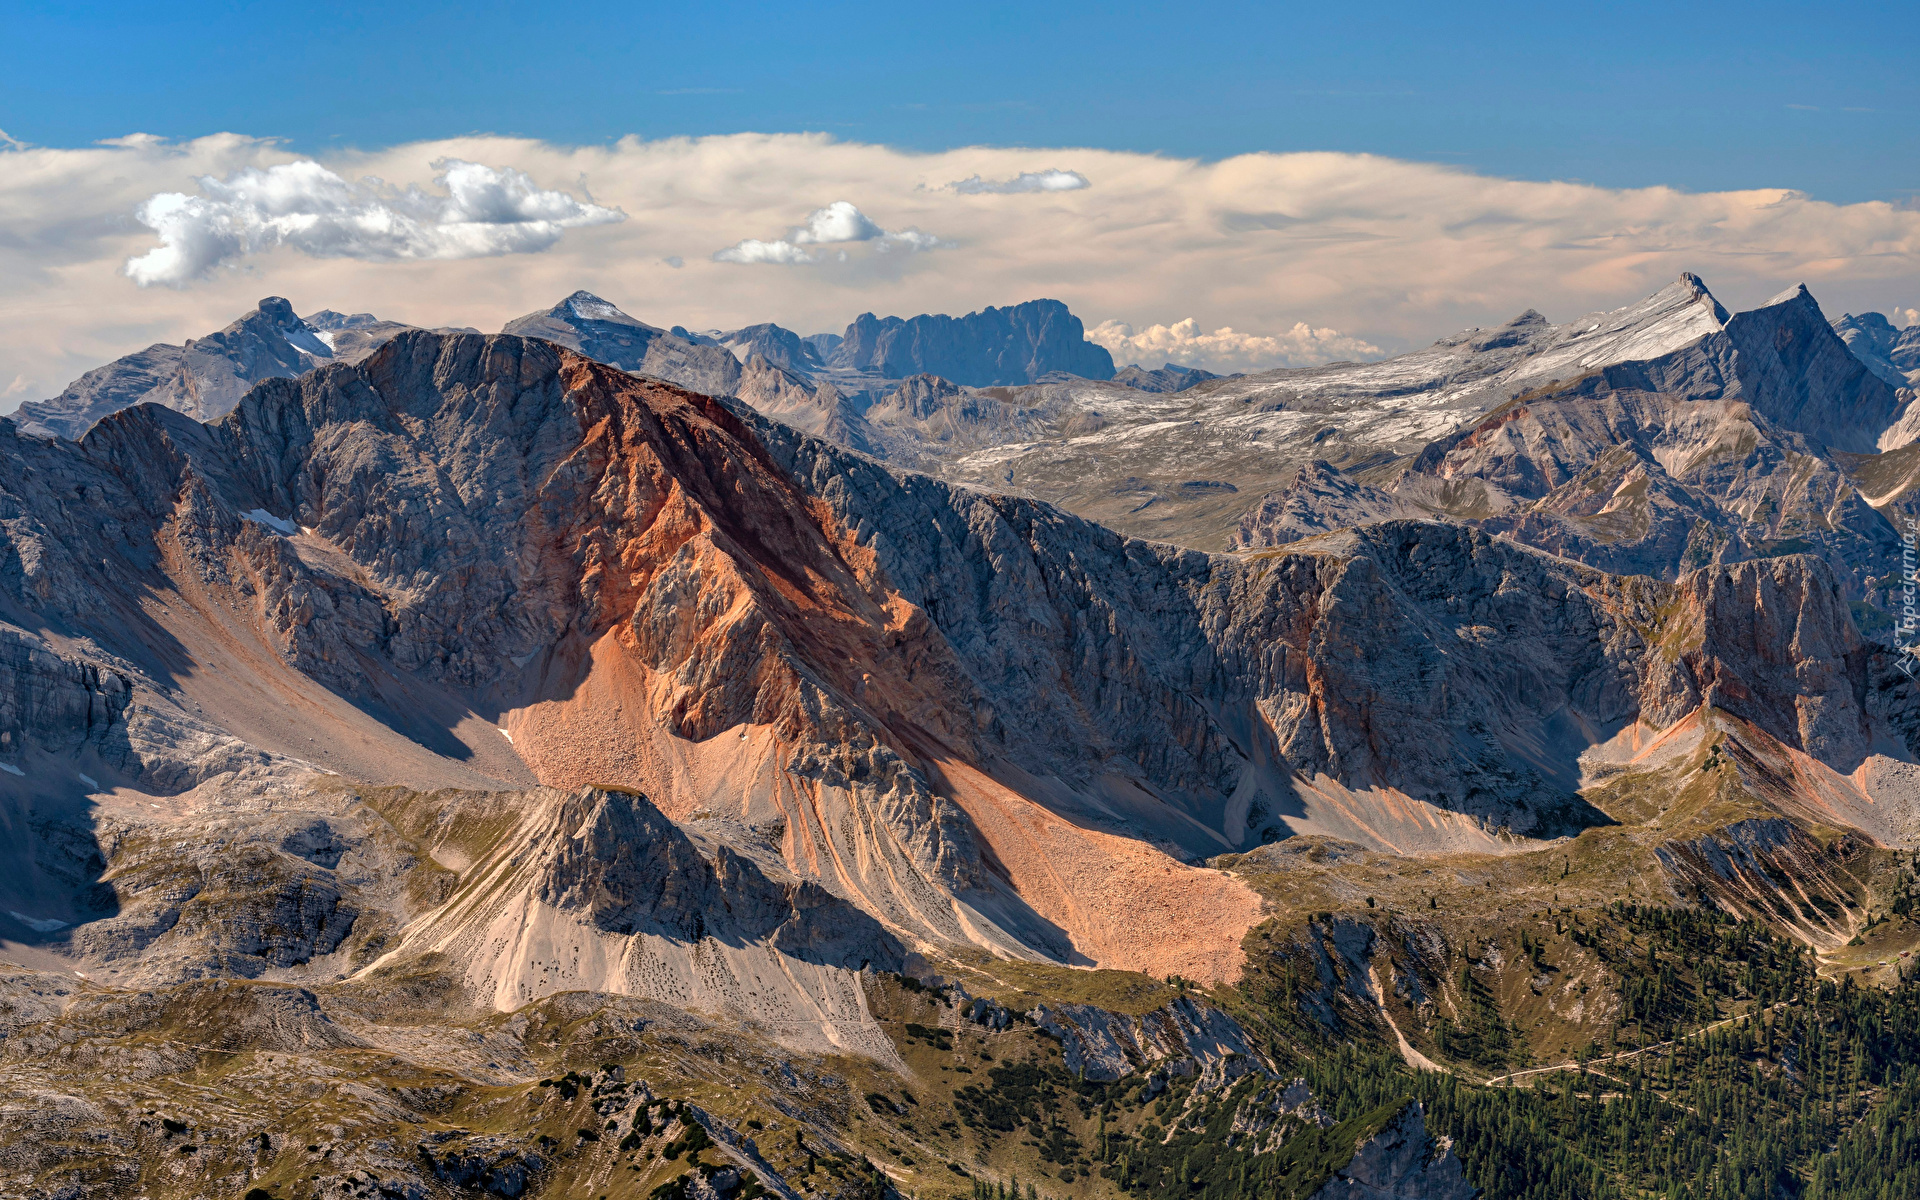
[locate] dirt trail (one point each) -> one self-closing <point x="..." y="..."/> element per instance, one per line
<point x="1623" y="1055"/>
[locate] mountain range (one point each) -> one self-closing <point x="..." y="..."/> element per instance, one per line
<point x="605" y="759"/>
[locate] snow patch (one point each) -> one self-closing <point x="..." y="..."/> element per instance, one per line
<point x="261" y="516"/>
<point x="307" y="341"/>
<point x="595" y="309"/>
<point x="10" y="769"/>
<point x="46" y="925"/>
<point x="89" y="780"/>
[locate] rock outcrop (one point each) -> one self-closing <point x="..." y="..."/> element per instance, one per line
<point x="1169" y="378"/>
<point x="1189" y="1034"/>
<point x="1016" y="344"/>
<point x="1401" y="1162"/>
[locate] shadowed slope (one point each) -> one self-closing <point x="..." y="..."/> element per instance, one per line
<point x="977" y="717"/>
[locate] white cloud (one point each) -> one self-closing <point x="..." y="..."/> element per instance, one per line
<point x="1226" y="350"/>
<point x="753" y="250"/>
<point x="1388" y="252"/>
<point x="836" y="223"/>
<point x="1053" y="180"/>
<point x="485" y="212"/>
<point x="18" y="388"/>
<point x="912" y="239"/>
<point x="1904" y="317"/>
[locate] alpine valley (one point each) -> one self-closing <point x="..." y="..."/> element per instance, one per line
<point x="600" y="759"/>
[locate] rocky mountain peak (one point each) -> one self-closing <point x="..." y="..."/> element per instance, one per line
<point x="995" y="346"/>
<point x="782" y="347"/>
<point x="921" y="396"/>
<point x="597" y="328"/>
<point x="589" y="307"/>
<point x="279" y="311"/>
<point x="204" y="378"/>
<point x="1795" y="370"/>
<point x="1168" y="378"/>
<point x="1516" y="332"/>
<point x="1888" y="351"/>
<point x="327" y="320"/>
<point x="1696" y="287"/>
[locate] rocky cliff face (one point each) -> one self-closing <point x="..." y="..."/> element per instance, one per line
<point x="1016" y="344"/>
<point x="976" y="717"/>
<point x="1401" y="1162"/>
<point x="1732" y="448"/>
<point x="1789" y="364"/>
<point x="812" y="407"/>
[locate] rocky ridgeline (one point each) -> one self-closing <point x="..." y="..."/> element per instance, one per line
<point x="463" y="516"/>
<point x="686" y="710"/>
<point x="1743" y="444"/>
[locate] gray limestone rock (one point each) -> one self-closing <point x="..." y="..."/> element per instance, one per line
<point x="781" y="347"/>
<point x="613" y="855"/>
<point x="1401" y="1162"/>
<point x="1732" y="448"/>
<point x="1169" y="378"/>
<point x="1891" y="353"/>
<point x="597" y="329"/>
<point x="204" y="378"/>
<point x="1012" y="345"/>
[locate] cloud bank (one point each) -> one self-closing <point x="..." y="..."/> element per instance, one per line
<point x="1026" y="181"/>
<point x="1226" y="350"/>
<point x="1390" y="253"/>
<point x="485" y="212"/>
<point x="837" y="222"/>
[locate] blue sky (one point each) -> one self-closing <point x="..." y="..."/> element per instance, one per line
<point x="1819" y="98"/>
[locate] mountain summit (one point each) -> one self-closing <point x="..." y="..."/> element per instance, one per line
<point x="204" y="378"/>
<point x="1012" y="345"/>
<point x="598" y="329"/>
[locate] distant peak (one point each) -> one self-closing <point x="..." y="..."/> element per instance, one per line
<point x="1872" y="320"/>
<point x="1697" y="287"/>
<point x="278" y="310"/>
<point x="589" y="307"/>
<point x="1797" y="292"/>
